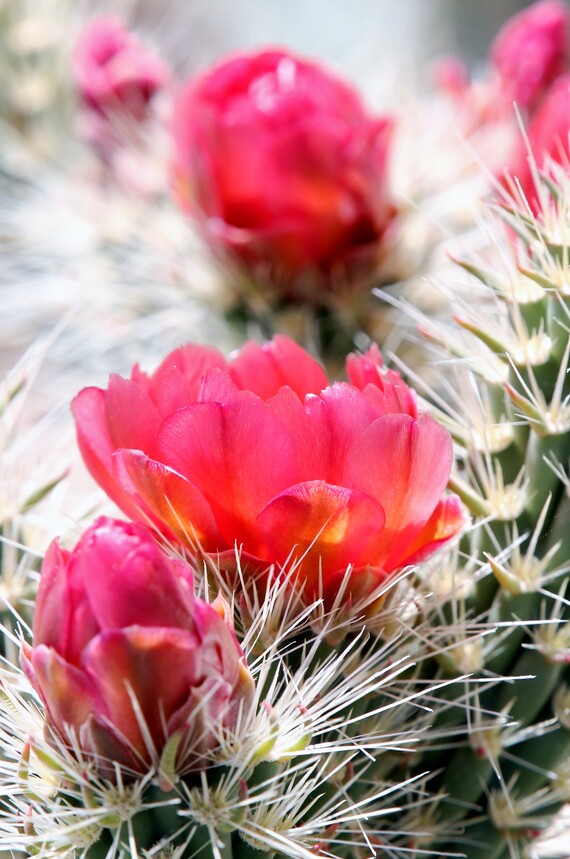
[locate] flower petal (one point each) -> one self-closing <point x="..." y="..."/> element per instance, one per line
<point x="178" y="380"/>
<point x="63" y="618"/>
<point x="67" y="692"/>
<point x="238" y="454"/>
<point x="264" y="369"/>
<point x="311" y="438"/>
<point x="132" y="418"/>
<point x="405" y="465"/>
<point x="531" y="51"/>
<point x="385" y="388"/>
<point x="339" y="414"/>
<point x="327" y="527"/>
<point x="355" y="590"/>
<point x="166" y="499"/>
<point x="128" y="579"/>
<point x="364" y="369"/>
<point x="51" y="615"/>
<point x="446" y="521"/>
<point x="217" y="386"/>
<point x="95" y="444"/>
<point x="143" y="674"/>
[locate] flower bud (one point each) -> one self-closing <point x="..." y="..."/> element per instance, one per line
<point x="531" y="51"/>
<point x="126" y="658"/>
<point x="114" y="71"/>
<point x="283" y="170"/>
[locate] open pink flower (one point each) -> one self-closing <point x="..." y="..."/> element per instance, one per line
<point x="260" y="453"/>
<point x="126" y="658"/>
<point x="114" y="71"/>
<point x="531" y="51"/>
<point x="283" y="168"/>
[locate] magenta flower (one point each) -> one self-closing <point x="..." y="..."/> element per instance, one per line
<point x="114" y="71"/>
<point x="283" y="168"/>
<point x="531" y="51"/>
<point x="126" y="658"/>
<point x="258" y="452"/>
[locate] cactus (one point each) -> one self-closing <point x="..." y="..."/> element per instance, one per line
<point x="431" y="719"/>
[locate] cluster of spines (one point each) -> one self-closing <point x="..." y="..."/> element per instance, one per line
<point x="508" y="408"/>
<point x="319" y="766"/>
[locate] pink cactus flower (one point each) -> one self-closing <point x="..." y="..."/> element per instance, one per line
<point x="283" y="169"/>
<point x="260" y="453"/>
<point x="126" y="658"/>
<point x="531" y="51"/>
<point x="113" y="70"/>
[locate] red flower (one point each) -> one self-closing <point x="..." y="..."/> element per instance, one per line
<point x="283" y="167"/>
<point x="126" y="658"/>
<point x="114" y="71"/>
<point x="531" y="51"/>
<point x="331" y="476"/>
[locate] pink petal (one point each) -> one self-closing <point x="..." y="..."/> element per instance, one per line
<point x="188" y="363"/>
<point x="201" y="719"/>
<point x="238" y="454"/>
<point x="328" y="527"/>
<point x="95" y="444"/>
<point x="63" y="618"/>
<point x="384" y="388"/>
<point x="152" y="670"/>
<point x="531" y="51"/>
<point x="405" y="465"/>
<point x="311" y="438"/>
<point x="446" y="521"/>
<point x="264" y="369"/>
<point x="392" y="395"/>
<point x="547" y="139"/>
<point x="248" y="568"/>
<point x="217" y="386"/>
<point x="171" y="392"/>
<point x="132" y="418"/>
<point x="166" y="499"/>
<point x="339" y="414"/>
<point x="100" y="740"/>
<point x="128" y="579"/>
<point x="358" y="586"/>
<point x="364" y="369"/>
<point x="219" y="647"/>
<point x="67" y="692"/>
<point x="51" y="615"/>
<point x="105" y="419"/>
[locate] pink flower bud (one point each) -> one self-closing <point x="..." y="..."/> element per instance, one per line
<point x="114" y="71"/>
<point x="531" y="51"/>
<point x="125" y="657"/>
<point x="283" y="169"/>
<point x="333" y="476"/>
<point x="451" y="75"/>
